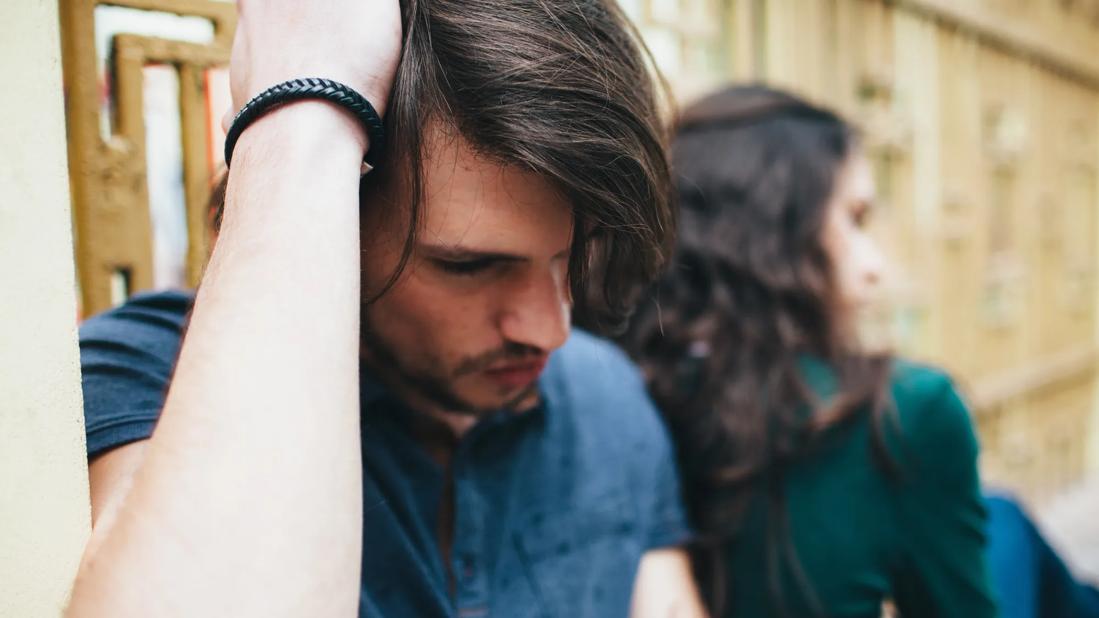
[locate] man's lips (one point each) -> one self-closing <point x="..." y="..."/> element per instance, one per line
<point x="516" y="374"/>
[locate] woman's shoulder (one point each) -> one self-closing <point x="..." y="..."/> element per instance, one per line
<point x="917" y="386"/>
<point x="935" y="423"/>
<point x="929" y="418"/>
<point x="914" y="388"/>
<point x="925" y="396"/>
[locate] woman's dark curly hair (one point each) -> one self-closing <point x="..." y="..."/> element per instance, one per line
<point x="749" y="292"/>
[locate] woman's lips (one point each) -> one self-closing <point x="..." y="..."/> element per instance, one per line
<point x="516" y="375"/>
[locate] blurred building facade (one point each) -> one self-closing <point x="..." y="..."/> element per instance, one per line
<point x="981" y="117"/>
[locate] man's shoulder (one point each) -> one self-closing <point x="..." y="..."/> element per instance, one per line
<point x="149" y="318"/>
<point x="145" y="330"/>
<point x="598" y="408"/>
<point x="127" y="356"/>
<point x="592" y="381"/>
<point x="592" y="367"/>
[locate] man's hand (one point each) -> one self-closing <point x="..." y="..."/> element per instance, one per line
<point x="356" y="42"/>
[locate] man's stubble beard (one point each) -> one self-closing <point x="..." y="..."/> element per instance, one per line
<point x="385" y="362"/>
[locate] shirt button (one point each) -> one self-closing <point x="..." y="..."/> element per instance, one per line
<point x="468" y="567"/>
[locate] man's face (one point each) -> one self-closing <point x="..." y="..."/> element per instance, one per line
<point x="485" y="297"/>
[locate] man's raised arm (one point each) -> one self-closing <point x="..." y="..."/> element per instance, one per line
<point x="247" y="500"/>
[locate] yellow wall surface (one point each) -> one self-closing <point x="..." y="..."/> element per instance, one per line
<point x="44" y="511"/>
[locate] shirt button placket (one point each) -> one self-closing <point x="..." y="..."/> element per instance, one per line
<point x="470" y="577"/>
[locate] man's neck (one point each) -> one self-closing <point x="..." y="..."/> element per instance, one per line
<point x="430" y="412"/>
<point x="456" y="423"/>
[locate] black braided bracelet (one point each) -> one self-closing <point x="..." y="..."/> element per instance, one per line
<point x="310" y="88"/>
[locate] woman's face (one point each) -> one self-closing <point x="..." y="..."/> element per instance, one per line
<point x="857" y="261"/>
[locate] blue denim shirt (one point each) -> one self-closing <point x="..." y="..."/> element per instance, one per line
<point x="553" y="508"/>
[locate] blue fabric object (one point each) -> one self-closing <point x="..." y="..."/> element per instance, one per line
<point x="553" y="507"/>
<point x="1030" y="580"/>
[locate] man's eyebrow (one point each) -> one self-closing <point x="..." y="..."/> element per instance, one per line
<point x="458" y="253"/>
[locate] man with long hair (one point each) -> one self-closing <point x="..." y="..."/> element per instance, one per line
<point x="377" y="405"/>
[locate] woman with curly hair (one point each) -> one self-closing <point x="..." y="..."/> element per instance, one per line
<point x="823" y="479"/>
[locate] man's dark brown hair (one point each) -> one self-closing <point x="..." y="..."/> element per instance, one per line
<point x="558" y="88"/>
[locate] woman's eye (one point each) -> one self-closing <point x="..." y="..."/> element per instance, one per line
<point x="468" y="267"/>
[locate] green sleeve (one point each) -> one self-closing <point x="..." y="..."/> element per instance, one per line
<point x="941" y="566"/>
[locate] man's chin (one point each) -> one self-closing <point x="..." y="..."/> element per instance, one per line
<point x="517" y="401"/>
<point x="466" y="396"/>
<point x="525" y="400"/>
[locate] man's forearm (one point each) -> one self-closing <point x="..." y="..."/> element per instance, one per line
<point x="248" y="501"/>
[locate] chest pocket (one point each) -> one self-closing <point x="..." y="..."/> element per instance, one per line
<point x="581" y="560"/>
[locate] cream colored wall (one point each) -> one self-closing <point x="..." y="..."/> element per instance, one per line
<point x="1093" y="441"/>
<point x="44" y="512"/>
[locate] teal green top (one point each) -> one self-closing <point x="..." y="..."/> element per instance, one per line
<point x="861" y="536"/>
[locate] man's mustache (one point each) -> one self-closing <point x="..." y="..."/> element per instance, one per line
<point x="509" y="351"/>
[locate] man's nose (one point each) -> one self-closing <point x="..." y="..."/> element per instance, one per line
<point x="537" y="312"/>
